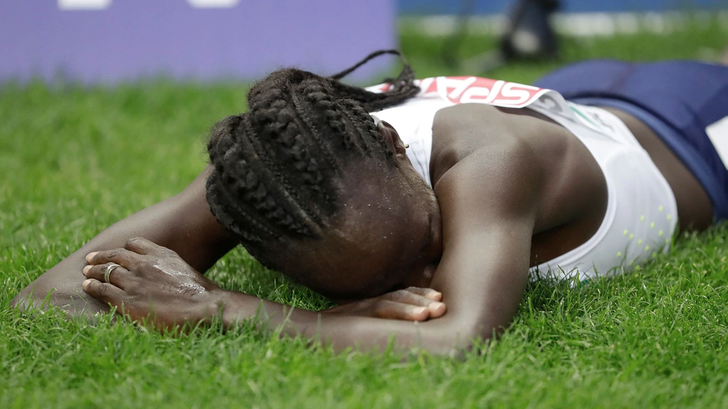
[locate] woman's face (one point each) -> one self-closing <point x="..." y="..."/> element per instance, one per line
<point x="386" y="236"/>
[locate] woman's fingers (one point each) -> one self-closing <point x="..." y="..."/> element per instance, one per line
<point x="123" y="257"/>
<point x="116" y="275"/>
<point x="107" y="293"/>
<point x="396" y="310"/>
<point x="414" y="298"/>
<point x="131" y="255"/>
<point x="140" y="245"/>
<point x="411" y="304"/>
<point x="426" y="292"/>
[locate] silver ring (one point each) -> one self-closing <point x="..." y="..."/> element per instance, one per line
<point x="109" y="269"/>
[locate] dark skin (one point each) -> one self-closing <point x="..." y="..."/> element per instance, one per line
<point x="498" y="207"/>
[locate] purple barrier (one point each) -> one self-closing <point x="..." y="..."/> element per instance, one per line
<point x="119" y="40"/>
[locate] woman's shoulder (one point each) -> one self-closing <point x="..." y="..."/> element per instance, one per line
<point x="515" y="155"/>
<point x="463" y="130"/>
<point x="479" y="145"/>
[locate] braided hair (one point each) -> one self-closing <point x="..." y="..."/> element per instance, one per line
<point x="274" y="167"/>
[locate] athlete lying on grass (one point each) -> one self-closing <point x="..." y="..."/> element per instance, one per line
<point x="468" y="186"/>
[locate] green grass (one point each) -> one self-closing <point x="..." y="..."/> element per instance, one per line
<point x="76" y="159"/>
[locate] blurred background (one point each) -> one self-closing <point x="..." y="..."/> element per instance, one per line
<point x="111" y="41"/>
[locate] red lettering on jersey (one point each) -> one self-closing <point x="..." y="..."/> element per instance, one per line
<point x="462" y="90"/>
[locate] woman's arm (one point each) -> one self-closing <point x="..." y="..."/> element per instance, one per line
<point x="487" y="234"/>
<point x="151" y="284"/>
<point x="488" y="227"/>
<point x="182" y="223"/>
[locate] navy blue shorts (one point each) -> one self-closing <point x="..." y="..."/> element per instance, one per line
<point x="677" y="99"/>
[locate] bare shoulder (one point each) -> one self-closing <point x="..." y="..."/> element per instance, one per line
<point x="493" y="182"/>
<point x="491" y="164"/>
<point x="483" y="152"/>
<point x="463" y="130"/>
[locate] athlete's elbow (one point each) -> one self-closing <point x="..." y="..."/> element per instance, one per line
<point x="462" y="337"/>
<point x="23" y="300"/>
<point x="19" y="302"/>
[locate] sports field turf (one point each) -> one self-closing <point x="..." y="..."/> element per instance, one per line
<point x="75" y="159"/>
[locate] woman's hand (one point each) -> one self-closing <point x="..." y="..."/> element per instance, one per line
<point x="409" y="304"/>
<point x="152" y="283"/>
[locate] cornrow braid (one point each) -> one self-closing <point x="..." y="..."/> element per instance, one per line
<point x="400" y="89"/>
<point x="274" y="168"/>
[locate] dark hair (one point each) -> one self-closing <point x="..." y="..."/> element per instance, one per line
<point x="274" y="166"/>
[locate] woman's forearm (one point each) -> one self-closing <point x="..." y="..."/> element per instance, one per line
<point x="182" y="223"/>
<point x="442" y="336"/>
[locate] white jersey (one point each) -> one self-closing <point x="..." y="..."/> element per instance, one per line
<point x="641" y="213"/>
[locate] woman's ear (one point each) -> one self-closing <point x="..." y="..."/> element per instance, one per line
<point x="391" y="138"/>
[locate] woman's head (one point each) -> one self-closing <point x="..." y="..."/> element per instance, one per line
<point x="285" y="172"/>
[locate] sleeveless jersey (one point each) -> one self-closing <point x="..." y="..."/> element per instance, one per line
<point x="641" y="213"/>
